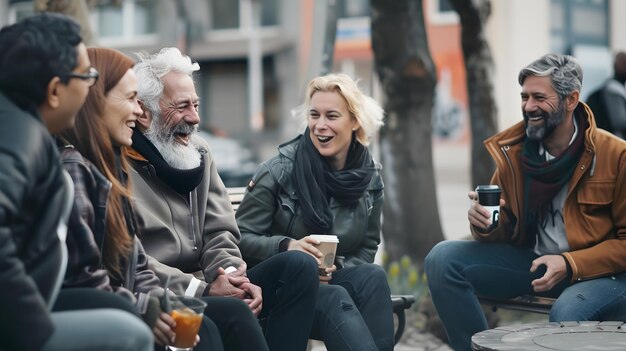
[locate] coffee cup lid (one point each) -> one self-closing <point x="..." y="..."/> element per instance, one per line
<point x="325" y="238"/>
<point x="491" y="188"/>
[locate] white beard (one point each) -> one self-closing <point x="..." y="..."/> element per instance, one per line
<point x="177" y="155"/>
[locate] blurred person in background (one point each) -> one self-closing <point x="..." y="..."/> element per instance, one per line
<point x="187" y="223"/>
<point x="325" y="181"/>
<point x="608" y="103"/>
<point x="562" y="226"/>
<point x="45" y="75"/>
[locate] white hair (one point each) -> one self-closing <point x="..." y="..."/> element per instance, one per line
<point x="150" y="70"/>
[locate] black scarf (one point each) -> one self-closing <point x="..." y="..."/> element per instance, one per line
<point x="544" y="179"/>
<point x="316" y="182"/>
<point x="181" y="180"/>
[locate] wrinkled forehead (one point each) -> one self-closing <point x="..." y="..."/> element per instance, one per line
<point x="179" y="87"/>
<point x="538" y="85"/>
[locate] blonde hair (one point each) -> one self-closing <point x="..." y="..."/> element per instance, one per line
<point x="363" y="108"/>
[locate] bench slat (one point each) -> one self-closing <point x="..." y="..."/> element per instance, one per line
<point x="526" y="303"/>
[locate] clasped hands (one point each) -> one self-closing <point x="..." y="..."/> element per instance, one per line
<point x="556" y="267"/>
<point x="236" y="284"/>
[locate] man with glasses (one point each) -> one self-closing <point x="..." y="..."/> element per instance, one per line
<point x="91" y="77"/>
<point x="45" y="75"/>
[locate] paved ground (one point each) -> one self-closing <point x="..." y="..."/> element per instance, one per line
<point x="426" y="343"/>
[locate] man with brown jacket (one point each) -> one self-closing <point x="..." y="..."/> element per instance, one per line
<point x="562" y="227"/>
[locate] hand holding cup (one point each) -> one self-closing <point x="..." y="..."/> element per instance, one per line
<point x="327" y="245"/>
<point x="485" y="210"/>
<point x="326" y="274"/>
<point x="187" y="312"/>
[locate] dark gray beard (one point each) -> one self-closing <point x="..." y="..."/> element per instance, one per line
<point x="550" y="122"/>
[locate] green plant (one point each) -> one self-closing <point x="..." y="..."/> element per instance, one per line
<point x="406" y="278"/>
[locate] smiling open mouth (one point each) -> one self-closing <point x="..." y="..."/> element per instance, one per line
<point x="182" y="138"/>
<point x="324" y="139"/>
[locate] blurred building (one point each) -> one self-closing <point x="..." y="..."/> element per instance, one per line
<point x="274" y="45"/>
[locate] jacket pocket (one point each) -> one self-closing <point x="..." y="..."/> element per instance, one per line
<point x="596" y="193"/>
<point x="594" y="212"/>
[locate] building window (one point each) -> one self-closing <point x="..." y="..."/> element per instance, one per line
<point x="225" y="14"/>
<point x="353" y="8"/>
<point x="229" y="14"/>
<point x="269" y="13"/>
<point x="579" y="22"/>
<point x="444" y="6"/>
<point x="144" y="17"/>
<point x="130" y="21"/>
<point x="19" y="10"/>
<point x="441" y="12"/>
<point x="110" y="21"/>
<point x="581" y="28"/>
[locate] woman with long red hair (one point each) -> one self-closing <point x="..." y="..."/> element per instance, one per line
<point x="104" y="251"/>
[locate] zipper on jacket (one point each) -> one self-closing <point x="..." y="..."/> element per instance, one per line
<point x="505" y="150"/>
<point x="191" y="226"/>
<point x="292" y="219"/>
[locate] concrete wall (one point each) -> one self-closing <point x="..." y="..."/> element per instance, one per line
<point x="4" y="12"/>
<point x="617" y="9"/>
<point x="518" y="32"/>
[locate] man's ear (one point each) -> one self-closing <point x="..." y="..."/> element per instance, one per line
<point x="572" y="100"/>
<point x="145" y="120"/>
<point x="52" y="97"/>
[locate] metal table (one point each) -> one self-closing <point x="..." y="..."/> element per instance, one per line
<point x="605" y="336"/>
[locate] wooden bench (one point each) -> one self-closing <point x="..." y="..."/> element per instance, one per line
<point x="524" y="303"/>
<point x="399" y="303"/>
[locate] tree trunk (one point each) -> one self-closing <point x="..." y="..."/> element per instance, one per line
<point x="479" y="68"/>
<point x="407" y="74"/>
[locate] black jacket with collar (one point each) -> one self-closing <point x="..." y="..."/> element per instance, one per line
<point x="32" y="191"/>
<point x="270" y="212"/>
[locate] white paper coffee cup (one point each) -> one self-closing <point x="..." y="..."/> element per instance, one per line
<point x="328" y="247"/>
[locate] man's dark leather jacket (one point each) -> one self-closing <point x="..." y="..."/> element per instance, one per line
<point x="32" y="191"/>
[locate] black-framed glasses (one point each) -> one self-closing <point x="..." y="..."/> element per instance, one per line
<point x="90" y="77"/>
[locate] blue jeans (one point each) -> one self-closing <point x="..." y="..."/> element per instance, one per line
<point x="100" y="330"/>
<point x="459" y="270"/>
<point x="353" y="311"/>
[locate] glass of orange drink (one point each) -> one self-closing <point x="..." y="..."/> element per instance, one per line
<point x="187" y="311"/>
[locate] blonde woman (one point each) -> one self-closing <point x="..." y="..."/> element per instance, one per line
<point x="325" y="182"/>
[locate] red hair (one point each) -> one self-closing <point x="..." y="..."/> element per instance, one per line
<point x="90" y="137"/>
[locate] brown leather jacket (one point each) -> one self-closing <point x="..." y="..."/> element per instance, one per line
<point x="595" y="208"/>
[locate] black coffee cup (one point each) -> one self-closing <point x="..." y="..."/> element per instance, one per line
<point x="489" y="197"/>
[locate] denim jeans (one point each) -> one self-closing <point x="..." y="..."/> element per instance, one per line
<point x="289" y="282"/>
<point x="353" y="311"/>
<point x="458" y="270"/>
<point x="75" y="299"/>
<point x="104" y="329"/>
